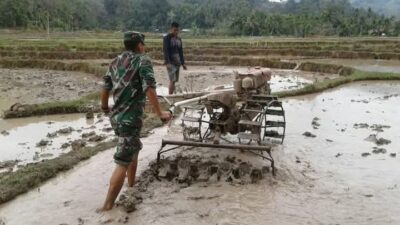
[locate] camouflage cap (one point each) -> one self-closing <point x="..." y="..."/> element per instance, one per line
<point x="134" y="36"/>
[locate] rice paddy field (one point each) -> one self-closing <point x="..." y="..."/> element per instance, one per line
<point x="53" y="134"/>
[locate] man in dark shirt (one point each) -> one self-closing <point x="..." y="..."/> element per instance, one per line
<point x="173" y="55"/>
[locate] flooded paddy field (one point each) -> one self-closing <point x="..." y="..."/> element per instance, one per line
<point x="208" y="78"/>
<point x="340" y="176"/>
<point x="33" y="139"/>
<point x="339" y="163"/>
<point x="371" y="65"/>
<point x="28" y="140"/>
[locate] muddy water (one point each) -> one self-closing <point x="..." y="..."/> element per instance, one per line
<point x="207" y="78"/>
<point x="390" y="66"/>
<point x="284" y="80"/>
<point x="24" y="134"/>
<point x="31" y="86"/>
<point x="75" y="194"/>
<point x="290" y="79"/>
<point x="322" y="180"/>
<point x="356" y="190"/>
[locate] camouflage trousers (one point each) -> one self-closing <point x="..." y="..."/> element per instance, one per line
<point x="129" y="143"/>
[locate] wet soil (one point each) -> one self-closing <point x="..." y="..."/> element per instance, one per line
<point x="32" y="86"/>
<point x="321" y="180"/>
<point x="208" y="78"/>
<point x="371" y="65"/>
<point x="181" y="171"/>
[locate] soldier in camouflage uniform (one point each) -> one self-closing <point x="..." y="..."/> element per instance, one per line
<point x="130" y="78"/>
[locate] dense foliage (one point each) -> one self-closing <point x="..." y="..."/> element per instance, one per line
<point x="223" y="17"/>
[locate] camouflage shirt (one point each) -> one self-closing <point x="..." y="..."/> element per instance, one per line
<point x="128" y="77"/>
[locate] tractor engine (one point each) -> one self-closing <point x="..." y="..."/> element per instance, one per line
<point x="253" y="81"/>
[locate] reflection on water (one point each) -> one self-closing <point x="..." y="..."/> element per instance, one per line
<point x="207" y="78"/>
<point x="284" y="80"/>
<point x="25" y="133"/>
<point x="290" y="79"/>
<point x="322" y="180"/>
<point x="330" y="173"/>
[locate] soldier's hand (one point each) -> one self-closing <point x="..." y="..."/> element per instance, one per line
<point x="184" y="67"/>
<point x="166" y="116"/>
<point x="169" y="66"/>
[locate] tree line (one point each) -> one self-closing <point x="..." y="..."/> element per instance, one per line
<point x="388" y="7"/>
<point x="219" y="17"/>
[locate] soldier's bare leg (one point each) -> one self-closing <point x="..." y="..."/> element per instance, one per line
<point x="132" y="170"/>
<point x="116" y="183"/>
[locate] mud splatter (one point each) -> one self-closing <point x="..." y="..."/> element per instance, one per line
<point x="315" y="123"/>
<point x="178" y="172"/>
<point x="309" y="134"/>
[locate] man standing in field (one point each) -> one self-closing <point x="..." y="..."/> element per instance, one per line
<point x="173" y="55"/>
<point x="130" y="78"/>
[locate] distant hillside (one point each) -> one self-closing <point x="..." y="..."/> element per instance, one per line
<point x="387" y="7"/>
